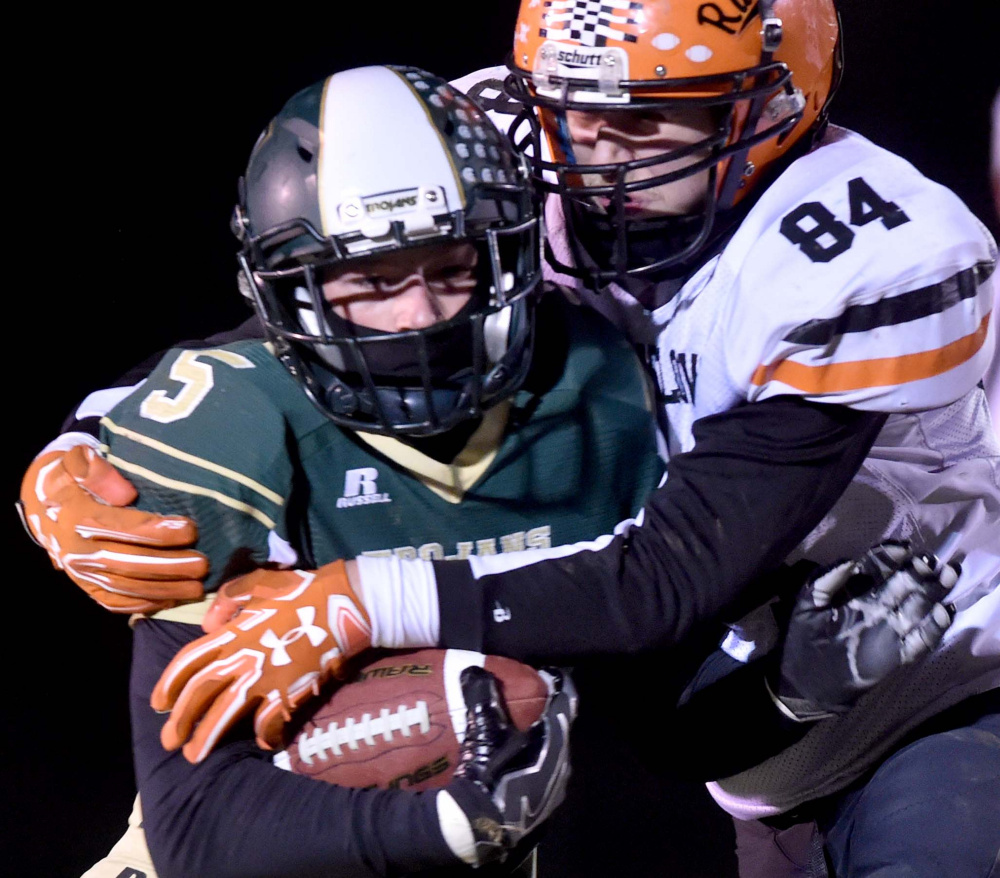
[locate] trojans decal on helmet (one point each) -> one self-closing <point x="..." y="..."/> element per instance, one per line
<point x="368" y="163"/>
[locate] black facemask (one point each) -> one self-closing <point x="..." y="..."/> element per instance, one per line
<point x="648" y="241"/>
<point x="395" y="358"/>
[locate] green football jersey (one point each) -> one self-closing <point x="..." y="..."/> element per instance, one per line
<point x="227" y="437"/>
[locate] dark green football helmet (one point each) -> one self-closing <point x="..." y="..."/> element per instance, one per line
<point x="368" y="162"/>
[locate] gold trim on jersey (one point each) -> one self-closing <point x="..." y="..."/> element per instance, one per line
<point x="130" y="855"/>
<point x="876" y="372"/>
<point x="449" y="481"/>
<point x="200" y="462"/>
<point x="187" y="488"/>
<point x="191" y="614"/>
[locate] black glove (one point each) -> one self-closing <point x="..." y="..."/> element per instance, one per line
<point x="507" y="782"/>
<point x="855" y="622"/>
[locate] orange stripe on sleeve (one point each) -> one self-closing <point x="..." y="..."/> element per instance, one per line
<point x="878" y="372"/>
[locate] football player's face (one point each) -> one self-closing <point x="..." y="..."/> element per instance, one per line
<point x="616" y="136"/>
<point x="409" y="289"/>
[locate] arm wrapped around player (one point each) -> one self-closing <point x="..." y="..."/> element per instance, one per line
<point x="75" y="505"/>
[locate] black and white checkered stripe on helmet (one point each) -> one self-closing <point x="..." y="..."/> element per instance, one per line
<point x="591" y="22"/>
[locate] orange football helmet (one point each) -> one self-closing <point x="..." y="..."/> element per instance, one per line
<point x="769" y="69"/>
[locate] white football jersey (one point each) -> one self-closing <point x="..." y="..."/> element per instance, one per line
<point x="872" y="289"/>
<point x="857" y="281"/>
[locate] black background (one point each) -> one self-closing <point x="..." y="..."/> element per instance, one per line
<point x="128" y="137"/>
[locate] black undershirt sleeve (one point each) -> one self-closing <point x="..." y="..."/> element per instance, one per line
<point x="236" y="815"/>
<point x="758" y="479"/>
<point x="726" y="722"/>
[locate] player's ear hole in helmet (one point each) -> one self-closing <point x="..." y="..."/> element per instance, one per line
<point x="761" y="74"/>
<point x="392" y="166"/>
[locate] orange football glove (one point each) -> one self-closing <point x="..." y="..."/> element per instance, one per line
<point x="295" y="632"/>
<point x="75" y="506"/>
<point x="230" y="599"/>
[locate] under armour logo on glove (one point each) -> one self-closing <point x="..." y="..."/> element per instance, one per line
<point x="278" y="645"/>
<point x="292" y="631"/>
<point x="856" y="622"/>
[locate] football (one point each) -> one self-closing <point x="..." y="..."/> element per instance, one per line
<point x="400" y="721"/>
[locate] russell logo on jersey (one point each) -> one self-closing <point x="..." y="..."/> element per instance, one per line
<point x="360" y="488"/>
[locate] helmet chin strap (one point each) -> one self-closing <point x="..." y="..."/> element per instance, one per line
<point x="648" y="242"/>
